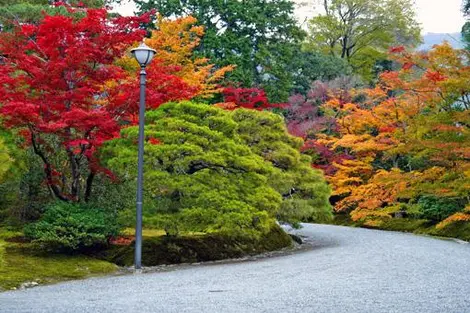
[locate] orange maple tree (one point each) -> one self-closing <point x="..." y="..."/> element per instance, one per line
<point x="409" y="135"/>
<point x="176" y="42"/>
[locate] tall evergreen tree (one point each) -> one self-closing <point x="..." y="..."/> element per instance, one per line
<point x="362" y="31"/>
<point x="31" y="11"/>
<point x="466" y="26"/>
<point x="260" y="37"/>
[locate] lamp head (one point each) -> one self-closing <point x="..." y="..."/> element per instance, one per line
<point x="143" y="54"/>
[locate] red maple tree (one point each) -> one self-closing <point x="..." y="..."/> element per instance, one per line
<point x="248" y="98"/>
<point x="61" y="89"/>
<point x="305" y="118"/>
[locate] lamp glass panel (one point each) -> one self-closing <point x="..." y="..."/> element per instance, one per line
<point x="151" y="55"/>
<point x="142" y="56"/>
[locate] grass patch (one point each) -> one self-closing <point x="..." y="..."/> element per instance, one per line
<point x="2" y="253"/>
<point x="19" y="264"/>
<point x="148" y="232"/>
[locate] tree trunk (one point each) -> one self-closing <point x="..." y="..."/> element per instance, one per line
<point x="344" y="49"/>
<point x="75" y="169"/>
<point x="89" y="184"/>
<point x="47" y="170"/>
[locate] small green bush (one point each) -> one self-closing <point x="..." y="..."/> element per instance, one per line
<point x="438" y="209"/>
<point x="70" y="227"/>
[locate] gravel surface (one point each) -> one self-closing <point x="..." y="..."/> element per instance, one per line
<point x="348" y="270"/>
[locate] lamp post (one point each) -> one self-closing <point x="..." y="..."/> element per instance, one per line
<point x="143" y="54"/>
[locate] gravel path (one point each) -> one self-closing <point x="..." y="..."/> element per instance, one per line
<point x="350" y="270"/>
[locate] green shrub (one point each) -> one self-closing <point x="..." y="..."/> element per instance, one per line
<point x="230" y="172"/>
<point x="69" y="227"/>
<point x="438" y="209"/>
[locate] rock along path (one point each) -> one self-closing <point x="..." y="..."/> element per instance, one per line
<point x="348" y="270"/>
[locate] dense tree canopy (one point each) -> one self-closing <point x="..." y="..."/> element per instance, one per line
<point x="466" y="26"/>
<point x="311" y="66"/>
<point x="408" y="138"/>
<point x="79" y="95"/>
<point x="260" y="37"/>
<point x="303" y="189"/>
<point x="82" y="86"/>
<point x="175" y="41"/>
<point x="51" y="81"/>
<point x="209" y="169"/>
<point x="32" y="11"/>
<point x="361" y="31"/>
<point x="249" y="119"/>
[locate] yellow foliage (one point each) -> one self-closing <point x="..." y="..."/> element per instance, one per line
<point x="371" y="217"/>
<point x="175" y="42"/>
<point x="457" y="217"/>
<point x="350" y="176"/>
<point x="379" y="191"/>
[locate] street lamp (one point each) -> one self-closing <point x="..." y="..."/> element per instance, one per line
<point x="143" y="54"/>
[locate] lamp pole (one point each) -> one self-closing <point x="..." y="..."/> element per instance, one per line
<point x="143" y="54"/>
<point x="140" y="173"/>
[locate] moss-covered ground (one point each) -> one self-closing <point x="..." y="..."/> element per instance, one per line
<point x="20" y="264"/>
<point x="190" y="248"/>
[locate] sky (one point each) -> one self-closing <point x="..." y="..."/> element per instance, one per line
<point x="440" y="16"/>
<point x="435" y="16"/>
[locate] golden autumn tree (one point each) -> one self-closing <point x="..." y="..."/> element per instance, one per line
<point x="176" y="42"/>
<point x="366" y="133"/>
<point x="409" y="137"/>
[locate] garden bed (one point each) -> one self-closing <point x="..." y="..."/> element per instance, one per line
<point x="195" y="248"/>
<point x="457" y="230"/>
